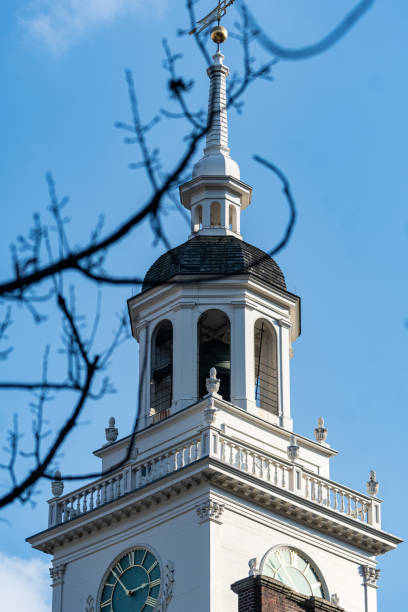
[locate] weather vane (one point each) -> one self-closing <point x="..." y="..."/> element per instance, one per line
<point x="219" y="33"/>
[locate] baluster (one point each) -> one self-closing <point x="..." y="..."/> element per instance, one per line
<point x="355" y="506"/>
<point x="98" y="496"/>
<point x="91" y="498"/>
<point x="348" y="503"/>
<point x="222" y="450"/>
<point x="275" y="479"/>
<point x="268" y="470"/>
<point x="283" y="477"/>
<point x="198" y="449"/>
<point x="103" y="492"/>
<point x="342" y="508"/>
<point x="71" y="508"/>
<point x="174" y="460"/>
<point x="307" y="481"/>
<point x="253" y="467"/>
<point x="84" y="505"/>
<point x="244" y="460"/>
<point x="231" y="454"/>
<point x="328" y="501"/>
<point x="364" y="511"/>
<point x="64" y="511"/>
<point x="261" y="466"/>
<point x="335" y="504"/>
<point x="312" y="489"/>
<point x="138" y="476"/>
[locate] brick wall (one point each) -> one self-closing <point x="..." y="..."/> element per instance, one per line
<point x="263" y="594"/>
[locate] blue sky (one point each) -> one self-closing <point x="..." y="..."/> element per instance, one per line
<point x="336" y="125"/>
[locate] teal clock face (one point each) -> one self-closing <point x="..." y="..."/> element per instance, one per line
<point x="132" y="584"/>
<point x="293" y="569"/>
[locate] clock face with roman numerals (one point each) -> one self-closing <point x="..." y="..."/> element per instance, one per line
<point x="293" y="569"/>
<point x="132" y="583"/>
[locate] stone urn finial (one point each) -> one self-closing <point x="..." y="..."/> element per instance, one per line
<point x="57" y="486"/>
<point x="213" y="383"/>
<point x="293" y="449"/>
<point x="111" y="432"/>
<point x="320" y="431"/>
<point x="372" y="484"/>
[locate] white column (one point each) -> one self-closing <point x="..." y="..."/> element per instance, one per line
<point x="242" y="358"/>
<point x="184" y="356"/>
<point x="284" y="375"/>
<point x="143" y="337"/>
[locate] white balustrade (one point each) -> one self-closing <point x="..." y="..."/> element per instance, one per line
<point x="112" y="487"/>
<point x="257" y="464"/>
<point x="319" y="490"/>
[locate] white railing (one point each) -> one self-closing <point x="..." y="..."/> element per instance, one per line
<point x="129" y="478"/>
<point x="243" y="457"/>
<point x="295" y="478"/>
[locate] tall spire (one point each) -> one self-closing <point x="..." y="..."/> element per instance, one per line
<point x="216" y="196"/>
<point x="216" y="159"/>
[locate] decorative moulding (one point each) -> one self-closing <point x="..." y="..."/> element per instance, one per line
<point x="370" y="575"/>
<point x="372" y="485"/>
<point x="57" y="574"/>
<point x="253" y="567"/>
<point x="209" y="510"/>
<point x="167" y="589"/>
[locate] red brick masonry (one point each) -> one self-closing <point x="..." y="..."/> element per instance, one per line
<point x="263" y="594"/>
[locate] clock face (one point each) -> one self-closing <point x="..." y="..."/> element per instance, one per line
<point x="132" y="583"/>
<point x="290" y="567"/>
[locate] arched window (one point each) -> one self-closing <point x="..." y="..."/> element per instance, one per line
<point x="214" y="350"/>
<point x="295" y="569"/>
<point x="266" y="373"/>
<point x="215" y="214"/>
<point x="161" y="384"/>
<point x="197" y="218"/>
<point x="232" y="218"/>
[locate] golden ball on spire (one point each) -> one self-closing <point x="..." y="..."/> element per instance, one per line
<point x="219" y="34"/>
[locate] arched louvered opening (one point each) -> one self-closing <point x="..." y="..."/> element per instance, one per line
<point x="197" y="218"/>
<point x="266" y="373"/>
<point x="215" y="214"/>
<point x="161" y="383"/>
<point x="214" y="350"/>
<point x="232" y="218"/>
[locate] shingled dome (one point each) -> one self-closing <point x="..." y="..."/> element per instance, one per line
<point x="217" y="255"/>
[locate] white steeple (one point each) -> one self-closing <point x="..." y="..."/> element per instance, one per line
<point x="216" y="195"/>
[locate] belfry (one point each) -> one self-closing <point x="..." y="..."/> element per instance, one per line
<point x="218" y="506"/>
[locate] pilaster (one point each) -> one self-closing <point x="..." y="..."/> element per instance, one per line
<point x="370" y="576"/>
<point x="184" y="356"/>
<point x="284" y="378"/>
<point x="57" y="577"/>
<point x="242" y="351"/>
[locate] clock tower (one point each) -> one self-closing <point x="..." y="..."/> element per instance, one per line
<point x="216" y="486"/>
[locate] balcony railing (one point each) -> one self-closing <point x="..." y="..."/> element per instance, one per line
<point x="246" y="459"/>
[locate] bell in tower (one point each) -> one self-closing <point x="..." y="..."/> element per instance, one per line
<point x="214" y="350"/>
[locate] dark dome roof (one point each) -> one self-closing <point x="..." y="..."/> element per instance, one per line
<point x="218" y="255"/>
